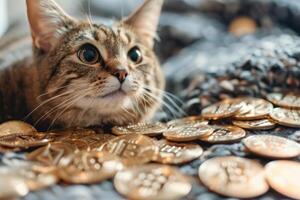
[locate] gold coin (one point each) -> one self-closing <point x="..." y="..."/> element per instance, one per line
<point x="223" y="109"/>
<point x="24" y="140"/>
<point x="286" y="117"/>
<point x="187" y="133"/>
<point x="90" y="167"/>
<point x="242" y="26"/>
<point x="283" y="176"/>
<point x="234" y="177"/>
<point x="12" y="187"/>
<point x="152" y="181"/>
<point x="51" y="154"/>
<point x="133" y="149"/>
<point x="79" y="133"/>
<point x="187" y="121"/>
<point x="255" y="109"/>
<point x="58" y="135"/>
<point x="288" y="101"/>
<point x="149" y="129"/>
<point x="272" y="146"/>
<point x="72" y="133"/>
<point x="13" y="127"/>
<point x="223" y="134"/>
<point x="174" y="153"/>
<point x="96" y="142"/>
<point x="258" y="124"/>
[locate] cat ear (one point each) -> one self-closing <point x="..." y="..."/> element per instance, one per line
<point x="144" y="20"/>
<point x="47" y="22"/>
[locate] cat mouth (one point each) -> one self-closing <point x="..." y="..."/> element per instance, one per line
<point x="115" y="94"/>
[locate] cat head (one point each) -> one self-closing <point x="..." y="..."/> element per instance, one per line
<point x="91" y="74"/>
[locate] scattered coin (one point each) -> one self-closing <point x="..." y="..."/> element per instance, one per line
<point x="283" y="176"/>
<point x="90" y="167"/>
<point x="255" y="109"/>
<point x="187" y="133"/>
<point x="12" y="187"/>
<point x="286" y="117"/>
<point x="223" y="109"/>
<point x="225" y="134"/>
<point x="258" y="124"/>
<point x="149" y="129"/>
<point x="242" y="26"/>
<point x="187" y="121"/>
<point x="24" y="140"/>
<point x="272" y="146"/>
<point x="234" y="177"/>
<point x="13" y="127"/>
<point x="177" y="153"/>
<point x="152" y="181"/>
<point x="52" y="153"/>
<point x="287" y="101"/>
<point x="133" y="149"/>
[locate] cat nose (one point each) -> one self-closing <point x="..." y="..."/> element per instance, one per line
<point x="121" y="75"/>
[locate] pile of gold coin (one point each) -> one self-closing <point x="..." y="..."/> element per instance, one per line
<point x="141" y="158"/>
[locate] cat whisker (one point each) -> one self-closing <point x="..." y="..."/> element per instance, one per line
<point x="172" y="111"/>
<point x="57" y="107"/>
<point x="64" y="109"/>
<point x="52" y="110"/>
<point x="69" y="104"/>
<point x="55" y="90"/>
<point x="47" y="101"/>
<point x="169" y="97"/>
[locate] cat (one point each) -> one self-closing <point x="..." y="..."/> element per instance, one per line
<point x="79" y="73"/>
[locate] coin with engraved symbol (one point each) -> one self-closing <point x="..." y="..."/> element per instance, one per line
<point x="283" y="176"/>
<point x="176" y="153"/>
<point x="258" y="124"/>
<point x="234" y="177"/>
<point x="152" y="181"/>
<point x="133" y="149"/>
<point x="224" y="134"/>
<point x="187" y="133"/>
<point x="52" y="153"/>
<point x="96" y="142"/>
<point x="149" y="129"/>
<point x="287" y="101"/>
<point x="254" y="109"/>
<point x="223" y="109"/>
<point x="13" y="127"/>
<point x="272" y="146"/>
<point x="90" y="167"/>
<point x="286" y="117"/>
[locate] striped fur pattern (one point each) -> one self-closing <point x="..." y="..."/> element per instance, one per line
<point x="52" y="87"/>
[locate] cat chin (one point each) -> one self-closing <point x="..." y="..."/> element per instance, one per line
<point x="113" y="103"/>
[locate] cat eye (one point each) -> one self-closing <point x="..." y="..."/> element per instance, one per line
<point x="135" y="55"/>
<point x="88" y="54"/>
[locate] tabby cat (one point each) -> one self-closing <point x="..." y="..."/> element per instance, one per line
<point x="82" y="74"/>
